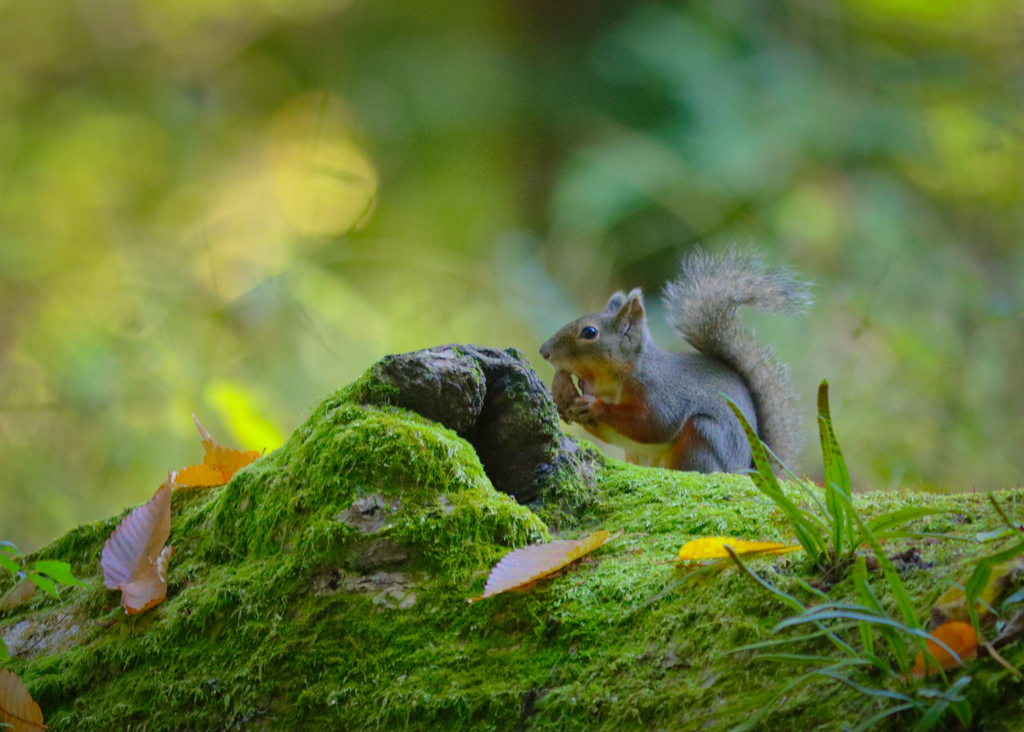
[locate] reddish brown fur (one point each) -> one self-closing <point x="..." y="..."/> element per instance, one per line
<point x="678" y="457"/>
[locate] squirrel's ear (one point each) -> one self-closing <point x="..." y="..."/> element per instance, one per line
<point x="631" y="312"/>
<point x="615" y="302"/>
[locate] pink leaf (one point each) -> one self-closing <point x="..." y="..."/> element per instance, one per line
<point x="132" y="555"/>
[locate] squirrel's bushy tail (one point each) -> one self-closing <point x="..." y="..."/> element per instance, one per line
<point x="702" y="306"/>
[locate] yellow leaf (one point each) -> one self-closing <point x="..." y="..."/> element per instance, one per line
<point x="951" y="605"/>
<point x="713" y="547"/>
<point x="521" y="569"/>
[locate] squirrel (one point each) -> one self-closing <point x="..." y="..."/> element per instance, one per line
<point x="666" y="409"/>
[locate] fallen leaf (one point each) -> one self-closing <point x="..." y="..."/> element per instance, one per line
<point x="951" y="605"/>
<point x="713" y="547"/>
<point x="958" y="636"/>
<point x="149" y="588"/>
<point x="523" y="568"/>
<point x="17" y="595"/>
<point x="219" y="463"/>
<point x="17" y="708"/>
<point x="134" y="558"/>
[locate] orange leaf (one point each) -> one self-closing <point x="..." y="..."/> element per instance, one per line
<point x="520" y="570"/>
<point x="958" y="636"/>
<point x="208" y="442"/>
<point x="713" y="547"/>
<point x="134" y="559"/>
<point x="17" y="707"/>
<point x="199" y="476"/>
<point x="219" y="463"/>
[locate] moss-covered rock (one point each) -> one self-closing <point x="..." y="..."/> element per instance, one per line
<point x="493" y="399"/>
<point x="324" y="588"/>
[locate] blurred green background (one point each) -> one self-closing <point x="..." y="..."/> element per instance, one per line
<point x="232" y="207"/>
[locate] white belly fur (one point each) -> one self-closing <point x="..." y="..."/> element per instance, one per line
<point x="638" y="453"/>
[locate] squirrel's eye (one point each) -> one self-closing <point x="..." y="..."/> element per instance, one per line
<point x="589" y="333"/>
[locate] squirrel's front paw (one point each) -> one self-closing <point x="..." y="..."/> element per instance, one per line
<point x="583" y="408"/>
<point x="572" y="406"/>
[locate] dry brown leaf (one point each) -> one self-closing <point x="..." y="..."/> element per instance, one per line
<point x="147" y="588"/>
<point x="134" y="558"/>
<point x="17" y="707"/>
<point x="219" y="463"/>
<point x="20" y="593"/>
<point x="521" y="569"/>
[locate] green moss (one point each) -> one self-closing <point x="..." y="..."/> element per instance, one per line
<point x="368" y="388"/>
<point x="269" y="624"/>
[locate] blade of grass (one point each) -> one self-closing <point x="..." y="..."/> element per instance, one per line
<point x="900" y="517"/>
<point x="811" y="589"/>
<point x="1002" y="661"/>
<point x="835" y="463"/>
<point x="936" y="711"/>
<point x="794" y="639"/>
<point x="671" y="586"/>
<point x="807" y="534"/>
<point x="860" y="584"/>
<point x="1002" y="514"/>
<point x="903" y="601"/>
<point x="808" y="489"/>
<point x="866" y="690"/>
<point x="952" y="694"/>
<point x="963" y="712"/>
<point x="980" y="577"/>
<point x="763" y="707"/>
<point x="796" y="658"/>
<point x="835" y="508"/>
<point x="882" y="665"/>
<point x="1015" y="597"/>
<point x="786" y="598"/>
<point x="922" y="535"/>
<point x="818" y="617"/>
<point x="873" y="720"/>
<point x="856" y="606"/>
<point x="867" y="596"/>
<point x="844" y="614"/>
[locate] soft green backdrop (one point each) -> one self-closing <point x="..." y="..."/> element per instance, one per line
<point x="230" y="207"/>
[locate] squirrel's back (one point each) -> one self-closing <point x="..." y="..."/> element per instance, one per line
<point x="702" y="305"/>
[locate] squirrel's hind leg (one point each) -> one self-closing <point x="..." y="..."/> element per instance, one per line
<point x="694" y="447"/>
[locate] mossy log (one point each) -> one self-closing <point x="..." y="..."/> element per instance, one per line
<point x="325" y="586"/>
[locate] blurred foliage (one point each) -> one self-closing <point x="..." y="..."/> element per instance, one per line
<point x="233" y="207"/>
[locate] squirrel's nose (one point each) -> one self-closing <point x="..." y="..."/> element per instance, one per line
<point x="545" y="350"/>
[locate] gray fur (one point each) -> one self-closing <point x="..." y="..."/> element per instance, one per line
<point x="702" y="306"/>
